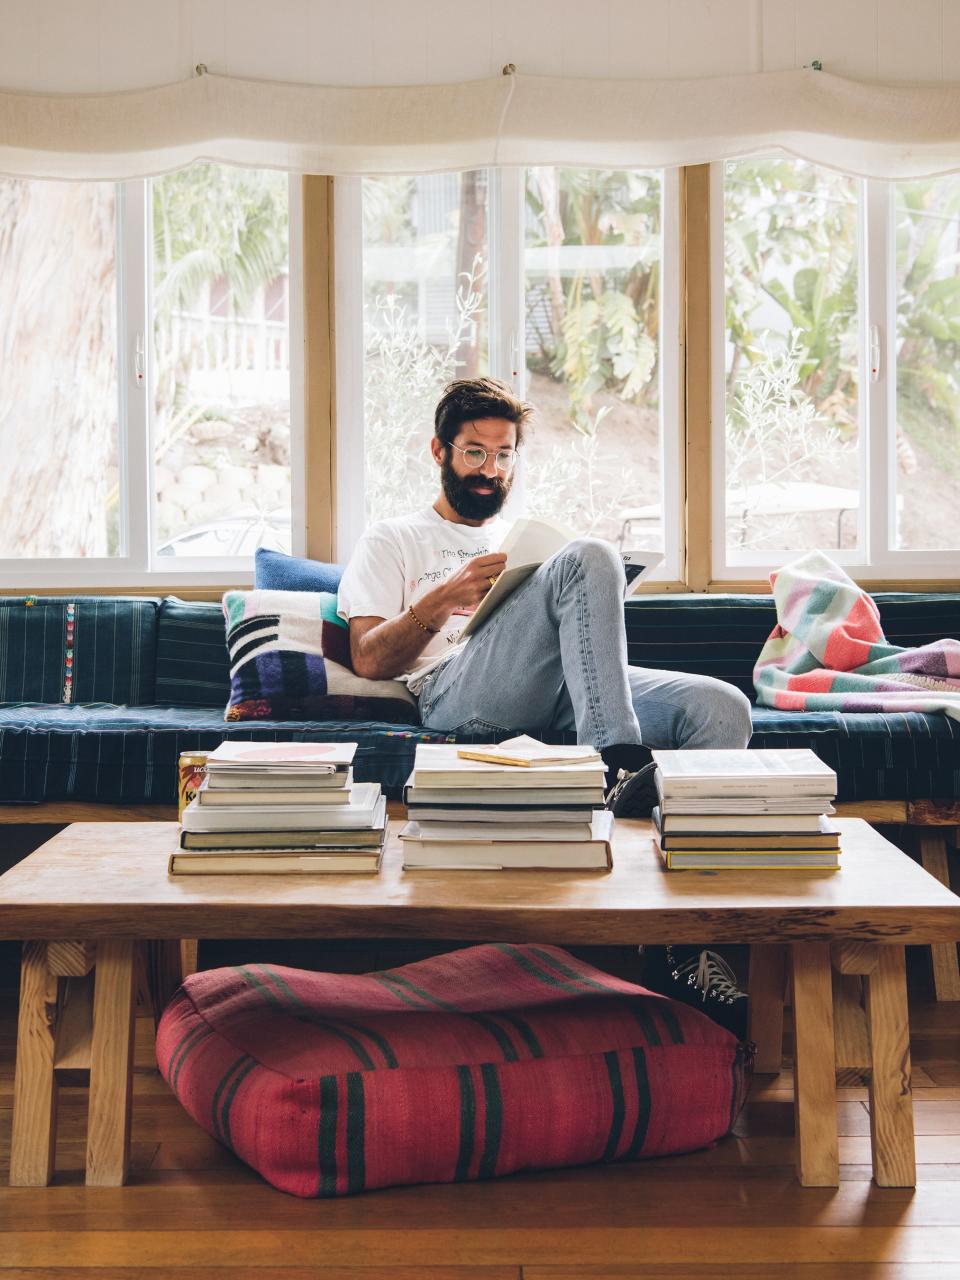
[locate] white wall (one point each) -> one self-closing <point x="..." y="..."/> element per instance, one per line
<point x="89" y="45"/>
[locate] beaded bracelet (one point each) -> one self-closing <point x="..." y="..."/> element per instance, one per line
<point x="433" y="631"/>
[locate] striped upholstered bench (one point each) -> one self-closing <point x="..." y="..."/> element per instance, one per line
<point x="100" y="695"/>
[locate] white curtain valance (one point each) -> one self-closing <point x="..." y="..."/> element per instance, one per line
<point x="870" y="129"/>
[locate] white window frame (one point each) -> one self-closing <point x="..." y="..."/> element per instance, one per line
<point x="876" y="556"/>
<point x="506" y="346"/>
<point x="137" y="564"/>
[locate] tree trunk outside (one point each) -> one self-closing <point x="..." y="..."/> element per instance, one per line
<point x="58" y="368"/>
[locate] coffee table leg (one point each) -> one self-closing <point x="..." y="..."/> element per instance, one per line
<point x="814" y="1066"/>
<point x="891" y="1101"/>
<point x="111" y="1065"/>
<point x="34" y="1088"/>
<point x="765" y="987"/>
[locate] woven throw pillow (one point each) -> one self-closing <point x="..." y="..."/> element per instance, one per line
<point x="290" y="660"/>
<point x="463" y="1066"/>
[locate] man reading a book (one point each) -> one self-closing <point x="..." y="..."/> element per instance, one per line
<point x="553" y="656"/>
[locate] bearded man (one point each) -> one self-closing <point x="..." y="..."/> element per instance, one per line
<point x="554" y="655"/>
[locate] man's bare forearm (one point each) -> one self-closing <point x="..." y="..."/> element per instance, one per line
<point x="392" y="647"/>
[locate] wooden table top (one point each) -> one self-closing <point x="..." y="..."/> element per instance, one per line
<point x="96" y="880"/>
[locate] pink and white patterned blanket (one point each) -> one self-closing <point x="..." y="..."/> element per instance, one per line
<point x="828" y="652"/>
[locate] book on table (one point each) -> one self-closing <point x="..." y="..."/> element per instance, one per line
<point x="264" y="781"/>
<point x="819" y="835"/>
<point x="463" y="853"/>
<point x="359" y="809"/>
<point x="754" y="810"/>
<point x="746" y="823"/>
<point x="501" y="815"/>
<point x="275" y="758"/>
<point x="438" y="765"/>
<point x="486" y="831"/>
<point x="264" y="796"/>
<point x="556" y="798"/>
<point x="277" y="862"/>
<point x="317" y="838"/>
<point x="754" y="806"/>
<point x="750" y="774"/>
<point x="759" y="860"/>
<point x="527" y="544"/>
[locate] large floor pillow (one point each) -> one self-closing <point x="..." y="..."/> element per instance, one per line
<point x="466" y="1065"/>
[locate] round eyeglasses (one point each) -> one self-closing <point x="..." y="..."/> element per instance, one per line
<point x="474" y="457"/>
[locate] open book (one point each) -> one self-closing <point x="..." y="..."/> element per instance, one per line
<point x="527" y="544"/>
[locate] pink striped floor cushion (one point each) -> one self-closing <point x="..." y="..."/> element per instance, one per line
<point x="467" y="1065"/>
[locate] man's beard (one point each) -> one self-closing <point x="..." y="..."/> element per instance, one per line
<point x="460" y="492"/>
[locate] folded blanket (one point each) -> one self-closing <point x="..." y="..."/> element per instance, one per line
<point x="828" y="652"/>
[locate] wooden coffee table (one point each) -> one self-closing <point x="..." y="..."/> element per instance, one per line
<point x="96" y="900"/>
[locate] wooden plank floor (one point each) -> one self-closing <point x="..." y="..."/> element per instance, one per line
<point x="193" y="1212"/>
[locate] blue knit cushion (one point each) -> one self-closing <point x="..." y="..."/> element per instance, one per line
<point x="275" y="571"/>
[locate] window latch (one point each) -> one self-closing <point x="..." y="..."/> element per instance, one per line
<point x="874" y="353"/>
<point x="516" y="355"/>
<point x="140" y="362"/>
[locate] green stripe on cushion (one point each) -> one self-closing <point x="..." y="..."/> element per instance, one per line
<point x="535" y="971"/>
<point x="183" y="1051"/>
<point x="642" y="1085"/>
<point x="646" y="1024"/>
<point x="493" y="1120"/>
<point x="382" y="1043"/>
<point x="670" y="1022"/>
<point x="612" y="1062"/>
<point x="424" y="996"/>
<point x="568" y="971"/>
<point x="356" y="1130"/>
<point x="327" y="1136"/>
<point x="231" y="1094"/>
<point x="525" y="1031"/>
<point x="504" y="1042"/>
<point x="221" y="1088"/>
<point x="468" y="1120"/>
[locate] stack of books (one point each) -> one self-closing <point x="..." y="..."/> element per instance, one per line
<point x="519" y="804"/>
<point x="749" y="809"/>
<point x="281" y="807"/>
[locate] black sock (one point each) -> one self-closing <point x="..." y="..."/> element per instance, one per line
<point x="624" y="755"/>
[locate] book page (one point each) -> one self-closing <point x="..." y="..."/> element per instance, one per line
<point x="530" y="542"/>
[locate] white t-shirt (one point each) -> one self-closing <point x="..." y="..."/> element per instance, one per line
<point x="399" y="560"/>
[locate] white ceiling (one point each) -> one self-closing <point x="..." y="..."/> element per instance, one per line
<point x="81" y="46"/>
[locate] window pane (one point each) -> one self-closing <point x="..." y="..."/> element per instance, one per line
<point x="59" y="400"/>
<point x="221" y="428"/>
<point x="791" y="245"/>
<point x="928" y="351"/>
<point x="592" y="259"/>
<point x="424" y="320"/>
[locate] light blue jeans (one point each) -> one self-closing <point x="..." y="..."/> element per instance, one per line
<point x="554" y="656"/>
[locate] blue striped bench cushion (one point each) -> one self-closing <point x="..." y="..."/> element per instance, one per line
<point x="128" y="755"/>
<point x="192" y="665"/>
<point x="65" y="650"/>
